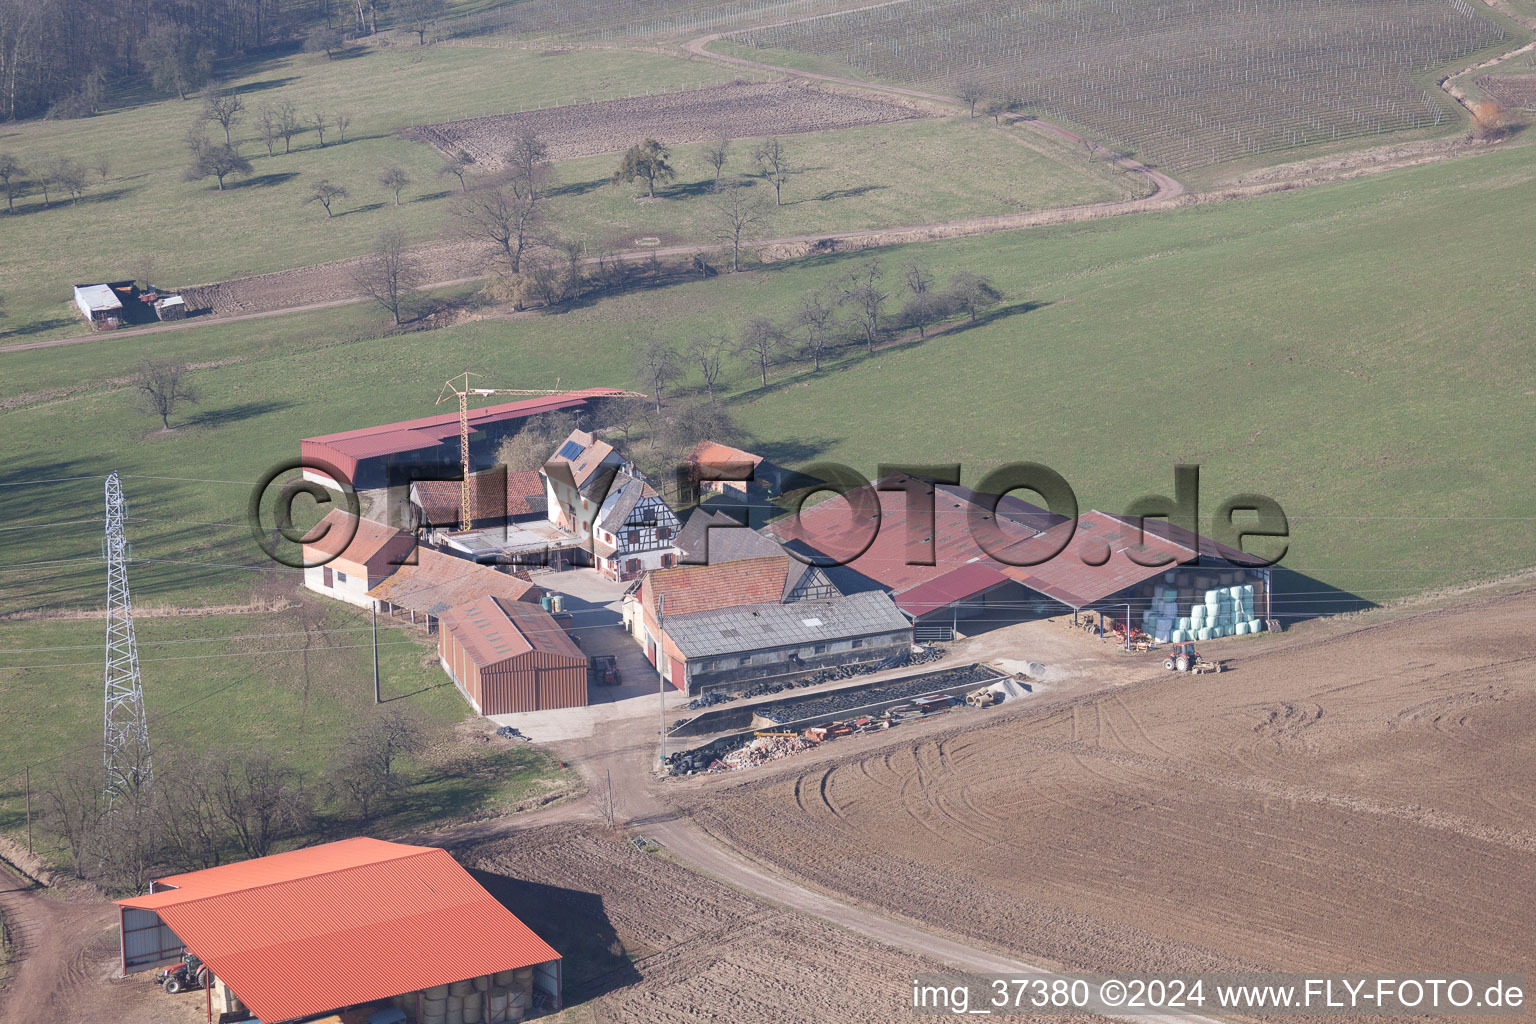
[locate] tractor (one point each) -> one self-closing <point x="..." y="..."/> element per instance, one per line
<point x="1185" y="659"/>
<point x="190" y="973"/>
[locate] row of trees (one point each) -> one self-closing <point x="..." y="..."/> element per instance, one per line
<point x="855" y="310"/>
<point x="201" y="808"/>
<point x="650" y="161"/>
<point x="51" y="175"/>
<point x="275" y="122"/>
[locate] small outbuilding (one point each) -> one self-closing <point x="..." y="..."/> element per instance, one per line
<point x="100" y="304"/>
<point x="360" y="925"/>
<point x="508" y="656"/>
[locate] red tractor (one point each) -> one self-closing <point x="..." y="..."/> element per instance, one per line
<point x="1185" y="659"/>
<point x="190" y="973"/>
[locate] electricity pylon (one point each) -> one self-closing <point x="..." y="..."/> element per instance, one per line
<point x="124" y="729"/>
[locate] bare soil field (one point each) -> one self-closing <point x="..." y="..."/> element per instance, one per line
<point x="646" y="940"/>
<point x="1356" y="799"/>
<point x="737" y="110"/>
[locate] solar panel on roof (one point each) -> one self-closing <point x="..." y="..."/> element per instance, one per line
<point x="569" y="450"/>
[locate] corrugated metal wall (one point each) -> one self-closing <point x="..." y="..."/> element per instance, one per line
<point x="533" y="681"/>
<point x="146" y="940"/>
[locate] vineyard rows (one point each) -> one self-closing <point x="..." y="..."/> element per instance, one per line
<point x="612" y="20"/>
<point x="1179" y="83"/>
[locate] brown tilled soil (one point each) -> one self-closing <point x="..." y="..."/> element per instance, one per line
<point x="738" y="110"/>
<point x="645" y="940"/>
<point x="1362" y="800"/>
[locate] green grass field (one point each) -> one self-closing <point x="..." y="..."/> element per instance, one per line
<point x="245" y="682"/>
<point x="198" y="234"/>
<point x="909" y="172"/>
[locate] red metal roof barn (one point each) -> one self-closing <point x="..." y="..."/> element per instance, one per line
<point x="390" y="923"/>
<point x="507" y="656"/>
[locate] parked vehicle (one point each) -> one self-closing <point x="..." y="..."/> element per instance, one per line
<point x="189" y="974"/>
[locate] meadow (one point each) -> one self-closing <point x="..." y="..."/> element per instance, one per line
<point x="933" y="169"/>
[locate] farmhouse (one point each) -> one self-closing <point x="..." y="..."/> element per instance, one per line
<point x="635" y="530"/>
<point x="428" y="447"/>
<point x="359" y="924"/>
<point x="939" y="574"/>
<point x="436" y="582"/>
<point x="747" y="620"/>
<point x="577" y="478"/>
<point x="506" y="656"/>
<point x="358" y="554"/>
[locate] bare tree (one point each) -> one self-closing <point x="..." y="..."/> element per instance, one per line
<point x="325" y="192"/>
<point x="72" y="810"/>
<point x="815" y="317"/>
<point x="506" y="221"/>
<point x="11" y="172"/>
<point x="343" y="122"/>
<point x="389" y="274"/>
<point x="187" y="814"/>
<point x="973" y="293"/>
<point x="288" y="124"/>
<point x="420" y="16"/>
<point x="528" y="163"/>
<point x="163" y="386"/>
<point x="773" y="162"/>
<point x="457" y="165"/>
<point x="260" y="799"/>
<point x="321" y="121"/>
<point x="395" y="179"/>
<point x="861" y="289"/>
<point x="536" y="439"/>
<point x="101" y="163"/>
<point x="68" y="176"/>
<point x="736" y="212"/>
<point x="131" y="841"/>
<point x="760" y="343"/>
<point x="267" y="127"/>
<point x="326" y="40"/>
<point x="45" y="179"/>
<point x="224" y="109"/>
<point x="657" y="367"/>
<point x="972" y="93"/>
<point x="144" y="268"/>
<point x="707" y="352"/>
<point x="218" y="162"/>
<point x="367" y="771"/>
<point x="920" y="309"/>
<point x="717" y="154"/>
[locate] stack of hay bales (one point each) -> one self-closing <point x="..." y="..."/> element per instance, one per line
<point x="434" y="1005"/>
<point x="1180" y="615"/>
<point x="509" y="995"/>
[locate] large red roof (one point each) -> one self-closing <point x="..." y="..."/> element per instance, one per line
<point x="962" y="568"/>
<point x="332" y="926"/>
<point x="346" y="447"/>
<point x="704" y="588"/>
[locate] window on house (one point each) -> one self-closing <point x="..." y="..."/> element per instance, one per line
<point x="341" y="577"/>
<point x="668" y="560"/>
<point x="632" y="538"/>
<point x="819" y="649"/>
<point x="663" y="533"/>
<point x="633" y="565"/>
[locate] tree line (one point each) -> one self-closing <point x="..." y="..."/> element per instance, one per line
<point x="201" y="808"/>
<point x="63" y="56"/>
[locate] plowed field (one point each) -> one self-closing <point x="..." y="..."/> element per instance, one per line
<point x="1364" y="800"/>
<point x="645" y="940"/>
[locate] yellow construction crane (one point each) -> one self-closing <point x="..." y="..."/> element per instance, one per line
<point x="460" y="386"/>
